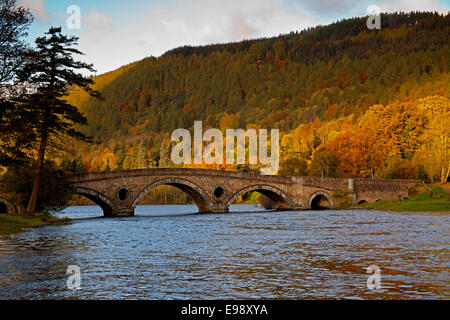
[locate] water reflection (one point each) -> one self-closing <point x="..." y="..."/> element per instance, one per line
<point x="169" y="252"/>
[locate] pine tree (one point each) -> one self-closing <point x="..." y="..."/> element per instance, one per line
<point x="128" y="161"/>
<point x="14" y="135"/>
<point x="141" y="161"/>
<point x="51" y="72"/>
<point x="120" y="152"/>
<point x="164" y="156"/>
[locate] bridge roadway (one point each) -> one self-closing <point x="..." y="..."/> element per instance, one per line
<point x="119" y="192"/>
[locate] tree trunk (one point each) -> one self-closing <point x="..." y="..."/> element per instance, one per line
<point x="444" y="174"/>
<point x="32" y="204"/>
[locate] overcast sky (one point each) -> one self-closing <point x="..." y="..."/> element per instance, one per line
<point x="116" y="32"/>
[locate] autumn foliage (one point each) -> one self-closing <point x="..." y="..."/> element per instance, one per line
<point x="347" y="100"/>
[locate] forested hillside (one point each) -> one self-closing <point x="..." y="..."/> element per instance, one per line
<point x="345" y="98"/>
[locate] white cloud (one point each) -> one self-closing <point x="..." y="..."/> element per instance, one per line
<point x="97" y="23"/>
<point x="413" y="5"/>
<point x="37" y="8"/>
<point x="188" y="22"/>
<point x="97" y="19"/>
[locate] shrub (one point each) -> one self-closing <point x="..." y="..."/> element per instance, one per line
<point x="340" y="193"/>
<point x="345" y="203"/>
<point x="55" y="190"/>
<point x="293" y="167"/>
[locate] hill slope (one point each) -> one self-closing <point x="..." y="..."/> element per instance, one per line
<point x="311" y="85"/>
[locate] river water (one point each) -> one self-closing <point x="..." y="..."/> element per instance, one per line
<point x="169" y="252"/>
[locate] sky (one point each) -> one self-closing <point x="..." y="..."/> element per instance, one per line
<point x="114" y="33"/>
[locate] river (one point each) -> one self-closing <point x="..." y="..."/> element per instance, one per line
<point x="169" y="252"/>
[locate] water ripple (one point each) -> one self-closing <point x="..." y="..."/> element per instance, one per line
<point x="167" y="252"/>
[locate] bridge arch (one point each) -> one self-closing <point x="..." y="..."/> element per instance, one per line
<point x="200" y="197"/>
<point x="280" y="199"/>
<point x="98" y="198"/>
<point x="7" y="206"/>
<point x="321" y="200"/>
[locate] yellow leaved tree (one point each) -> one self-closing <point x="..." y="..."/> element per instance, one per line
<point x="437" y="134"/>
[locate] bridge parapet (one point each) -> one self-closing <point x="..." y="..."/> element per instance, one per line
<point x="178" y="172"/>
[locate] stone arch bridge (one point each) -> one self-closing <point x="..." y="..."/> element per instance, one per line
<point x="119" y="192"/>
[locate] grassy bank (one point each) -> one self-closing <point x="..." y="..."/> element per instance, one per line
<point x="15" y="224"/>
<point x="436" y="199"/>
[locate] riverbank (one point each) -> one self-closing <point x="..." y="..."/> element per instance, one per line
<point x="15" y="224"/>
<point x="434" y="199"/>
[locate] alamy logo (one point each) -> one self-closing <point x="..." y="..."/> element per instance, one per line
<point x="74" y="20"/>
<point x="235" y="153"/>
<point x="74" y="280"/>
<point x="374" y="19"/>
<point x="374" y="280"/>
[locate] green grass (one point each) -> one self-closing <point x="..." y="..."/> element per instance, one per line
<point x="435" y="200"/>
<point x="15" y="224"/>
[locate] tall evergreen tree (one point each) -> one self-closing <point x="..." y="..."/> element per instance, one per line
<point x="120" y="152"/>
<point x="128" y="163"/>
<point x="51" y="72"/>
<point x="14" y="136"/>
<point x="141" y="156"/>
<point x="164" y="156"/>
